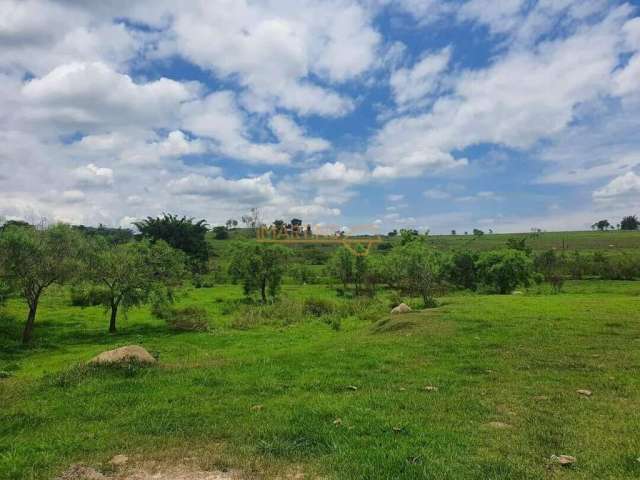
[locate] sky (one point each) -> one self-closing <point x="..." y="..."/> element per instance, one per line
<point x="371" y="115"/>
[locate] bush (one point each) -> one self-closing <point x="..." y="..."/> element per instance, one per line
<point x="502" y="271"/>
<point x="86" y="295"/>
<point x="203" y="281"/>
<point x="460" y="270"/>
<point x="189" y="319"/>
<point x="317" y="307"/>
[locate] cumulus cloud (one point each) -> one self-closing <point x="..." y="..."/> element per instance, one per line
<point x="413" y="84"/>
<point x="622" y="186"/>
<point x="93" y="176"/>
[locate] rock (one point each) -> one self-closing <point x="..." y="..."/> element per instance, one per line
<point x="586" y="393"/>
<point x="352" y="387"/>
<point x="80" y="472"/>
<point x="431" y="388"/>
<point x="402" y="308"/>
<point x="123" y="354"/>
<point x="540" y="398"/>
<point x="564" y="460"/>
<point x="498" y="425"/>
<point x="119" y="460"/>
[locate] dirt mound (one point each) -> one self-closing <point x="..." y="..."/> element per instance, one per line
<point x="402" y="308"/>
<point x="149" y="472"/>
<point x="123" y="354"/>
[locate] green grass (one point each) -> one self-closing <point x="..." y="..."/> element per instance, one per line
<point x="491" y="358"/>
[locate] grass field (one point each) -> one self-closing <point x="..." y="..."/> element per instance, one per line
<point x="345" y="404"/>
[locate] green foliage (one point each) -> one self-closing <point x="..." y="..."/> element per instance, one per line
<point x="302" y="274"/>
<point x="181" y="233"/>
<point x="188" y="319"/>
<point x="460" y="270"/>
<point x="220" y="233"/>
<point x="630" y="223"/>
<point x="502" y="271"/>
<point x="260" y="267"/>
<point x="341" y="266"/>
<point x="515" y="243"/>
<point x="32" y="260"/>
<point x="87" y="295"/>
<point x="601" y="225"/>
<point x="130" y="272"/>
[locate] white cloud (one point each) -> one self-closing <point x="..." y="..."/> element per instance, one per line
<point x="413" y="84"/>
<point x="274" y="48"/>
<point x="249" y="191"/>
<point x="436" y="194"/>
<point x="92" y="96"/>
<point x="93" y="176"/>
<point x="335" y="173"/>
<point x="623" y="186"/>
<point x="293" y="139"/>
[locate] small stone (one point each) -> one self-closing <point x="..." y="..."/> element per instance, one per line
<point x="564" y="460"/>
<point x="586" y="393"/>
<point x="402" y="389"/>
<point x="540" y="398"/>
<point x="352" y="387"/>
<point x="402" y="308"/>
<point x="257" y="408"/>
<point x="397" y="429"/>
<point x="119" y="460"/>
<point x="431" y="388"/>
<point x="337" y="422"/>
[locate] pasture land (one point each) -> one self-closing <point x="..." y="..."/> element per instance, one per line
<point x="269" y="393"/>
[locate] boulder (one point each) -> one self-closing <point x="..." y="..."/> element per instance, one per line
<point x="123" y="354"/>
<point x="402" y="308"/>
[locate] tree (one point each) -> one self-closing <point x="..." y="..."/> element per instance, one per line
<point x="32" y="260"/>
<point x="181" y="233"/>
<point x="630" y="223"/>
<point x="453" y="232"/>
<point x="551" y="266"/>
<point x="252" y="220"/>
<point x="341" y="266"/>
<point x="231" y="224"/>
<point x="360" y="268"/>
<point x="519" y="244"/>
<point x="420" y="270"/>
<point x="477" y="232"/>
<point x="503" y="270"/>
<point x="460" y="270"/>
<point x="260" y="267"/>
<point x="220" y="233"/>
<point x="601" y="225"/>
<point x="132" y="271"/>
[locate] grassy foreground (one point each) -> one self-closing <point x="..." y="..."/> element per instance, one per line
<point x="346" y="404"/>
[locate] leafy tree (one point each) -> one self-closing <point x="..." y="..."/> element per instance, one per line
<point x="260" y="267"/>
<point x="220" y="233"/>
<point x="503" y="270"/>
<point x="231" y="224"/>
<point x="131" y="272"/>
<point x="453" y="232"/>
<point x="181" y="233"/>
<point x="360" y="267"/>
<point x="601" y="225"/>
<point x="461" y="271"/>
<point x="341" y="266"/>
<point x="32" y="260"/>
<point x="393" y="233"/>
<point x="279" y="225"/>
<point x="15" y="223"/>
<point x="477" y="232"/>
<point x="519" y="244"/>
<point x="407" y="236"/>
<point x="630" y="223"/>
<point x="252" y="220"/>
<point x="421" y="269"/>
<point x="551" y="266"/>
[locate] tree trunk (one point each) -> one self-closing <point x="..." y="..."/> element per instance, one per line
<point x="27" y="333"/>
<point x="263" y="291"/>
<point x="114" y="314"/>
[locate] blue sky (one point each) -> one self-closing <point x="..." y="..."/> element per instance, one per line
<point x="373" y="114"/>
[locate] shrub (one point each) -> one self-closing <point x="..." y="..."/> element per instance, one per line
<point x="460" y="270"/>
<point x="203" y="281"/>
<point x="317" y="307"/>
<point x="86" y="295"/>
<point x="189" y="319"/>
<point x="502" y="271"/>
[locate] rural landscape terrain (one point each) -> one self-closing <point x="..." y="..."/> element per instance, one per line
<point x="519" y="357"/>
<point x="319" y="240"/>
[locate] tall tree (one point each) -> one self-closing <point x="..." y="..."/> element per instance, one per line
<point x="32" y="260"/>
<point x="601" y="225"/>
<point x="132" y="271"/>
<point x="630" y="223"/>
<point x="183" y="233"/>
<point x="260" y="267"/>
